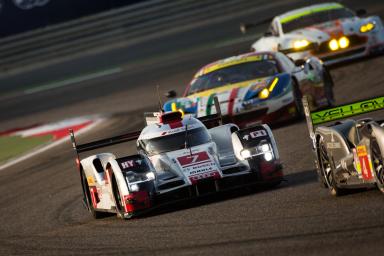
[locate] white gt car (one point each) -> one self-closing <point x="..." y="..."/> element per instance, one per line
<point x="328" y="31"/>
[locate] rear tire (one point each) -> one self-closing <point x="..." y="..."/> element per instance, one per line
<point x="87" y="194"/>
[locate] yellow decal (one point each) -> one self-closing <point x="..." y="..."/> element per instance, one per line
<point x="361" y="151"/>
<point x="228" y="63"/>
<point x="224" y="88"/>
<point x="308" y="11"/>
<point x="90" y="180"/>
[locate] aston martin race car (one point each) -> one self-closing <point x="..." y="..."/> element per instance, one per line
<point x="349" y="153"/>
<point x="329" y="31"/>
<point x="254" y="87"/>
<point x="177" y="158"/>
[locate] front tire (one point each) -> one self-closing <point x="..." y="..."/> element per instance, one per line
<point x="378" y="164"/>
<point x="327" y="170"/>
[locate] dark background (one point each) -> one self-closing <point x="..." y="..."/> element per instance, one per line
<point x="14" y="20"/>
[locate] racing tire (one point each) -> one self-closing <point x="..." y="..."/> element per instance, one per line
<point x="297" y="98"/>
<point x="328" y="87"/>
<point x="378" y="164"/>
<point x="87" y="194"/>
<point x="117" y="198"/>
<point x="327" y="168"/>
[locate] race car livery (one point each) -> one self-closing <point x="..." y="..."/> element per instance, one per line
<point x="256" y="87"/>
<point x="177" y="158"/>
<point x="329" y="31"/>
<point x="348" y="153"/>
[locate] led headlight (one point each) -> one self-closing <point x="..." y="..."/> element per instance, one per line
<point x="134" y="187"/>
<point x="264" y="94"/>
<point x="268" y="156"/>
<point x="367" y="27"/>
<point x="150" y="175"/>
<point x="245" y="153"/>
<point x="264" y="148"/>
<point x="299" y="44"/>
<point x="343" y="42"/>
<point x="333" y="45"/>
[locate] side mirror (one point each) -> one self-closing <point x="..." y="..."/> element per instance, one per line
<point x="300" y="62"/>
<point x="245" y="26"/>
<point x="170" y="94"/>
<point x="361" y="12"/>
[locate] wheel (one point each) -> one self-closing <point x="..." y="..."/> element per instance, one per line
<point x="378" y="164"/>
<point x="87" y="198"/>
<point x="327" y="169"/>
<point x="117" y="197"/>
<point x="328" y="87"/>
<point x="297" y="97"/>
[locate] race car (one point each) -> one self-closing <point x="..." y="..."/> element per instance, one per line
<point x="349" y="153"/>
<point x="329" y="31"/>
<point x="177" y="158"/>
<point x="256" y="87"/>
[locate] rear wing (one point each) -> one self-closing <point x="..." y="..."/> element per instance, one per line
<point x="340" y="112"/>
<point x="100" y="143"/>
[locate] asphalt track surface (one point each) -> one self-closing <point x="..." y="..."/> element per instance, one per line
<point x="41" y="211"/>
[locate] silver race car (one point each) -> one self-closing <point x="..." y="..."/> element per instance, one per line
<point x="178" y="158"/>
<point x="348" y="153"/>
<point x="329" y="31"/>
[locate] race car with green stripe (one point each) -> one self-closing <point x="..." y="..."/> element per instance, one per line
<point x="329" y="31"/>
<point x="348" y="151"/>
<point x="256" y="87"/>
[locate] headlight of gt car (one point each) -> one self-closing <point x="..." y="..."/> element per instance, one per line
<point x="300" y="44"/>
<point x="367" y="27"/>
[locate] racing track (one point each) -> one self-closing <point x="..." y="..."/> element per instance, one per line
<point x="41" y="212"/>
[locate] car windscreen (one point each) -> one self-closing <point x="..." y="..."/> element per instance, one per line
<point x="234" y="74"/>
<point x="191" y="138"/>
<point x="316" y="18"/>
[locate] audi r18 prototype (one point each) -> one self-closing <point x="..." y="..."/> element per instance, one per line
<point x="254" y="87"/>
<point x="348" y="153"/>
<point x="178" y="158"/>
<point x="329" y="31"/>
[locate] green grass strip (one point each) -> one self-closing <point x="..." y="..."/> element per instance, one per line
<point x="13" y="146"/>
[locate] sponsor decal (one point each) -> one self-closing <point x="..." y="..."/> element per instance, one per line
<point x="347" y="110"/>
<point x="195" y="178"/>
<point x="333" y="145"/>
<point x="365" y="163"/>
<point x="255" y="134"/>
<point x="130" y="163"/>
<point x="90" y="181"/>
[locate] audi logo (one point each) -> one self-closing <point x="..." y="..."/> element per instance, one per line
<point x="29" y="4"/>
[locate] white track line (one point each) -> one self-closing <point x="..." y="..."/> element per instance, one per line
<point x="73" y="80"/>
<point x="49" y="146"/>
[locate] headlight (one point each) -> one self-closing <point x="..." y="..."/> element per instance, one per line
<point x="333" y="45"/>
<point x="264" y="94"/>
<point x="245" y="153"/>
<point x="134" y="187"/>
<point x="299" y="44"/>
<point x="150" y="175"/>
<point x="264" y="148"/>
<point x="343" y="42"/>
<point x="367" y="27"/>
<point x="268" y="156"/>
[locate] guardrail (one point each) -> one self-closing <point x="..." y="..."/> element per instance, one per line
<point x="103" y="31"/>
